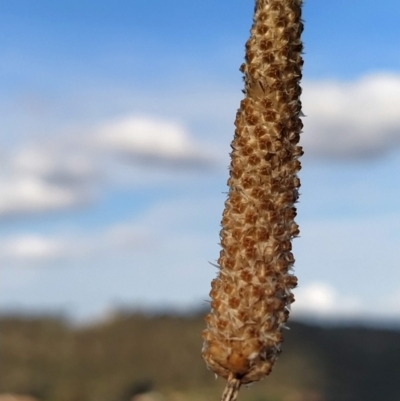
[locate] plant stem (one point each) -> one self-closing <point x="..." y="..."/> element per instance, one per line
<point x="231" y="389"/>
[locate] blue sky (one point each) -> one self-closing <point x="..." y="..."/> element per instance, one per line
<point x="116" y="119"/>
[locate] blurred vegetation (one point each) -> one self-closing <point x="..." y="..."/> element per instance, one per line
<point x="133" y="353"/>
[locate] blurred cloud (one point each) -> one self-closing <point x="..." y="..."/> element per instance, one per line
<point x="154" y="141"/>
<point x="31" y="248"/>
<point x="55" y="164"/>
<point x="353" y="120"/>
<point x="37" y="180"/>
<point x="67" y="171"/>
<point x="155" y="259"/>
<point x="161" y="228"/>
<point x="29" y="194"/>
<point x="320" y="300"/>
<point x="133" y="259"/>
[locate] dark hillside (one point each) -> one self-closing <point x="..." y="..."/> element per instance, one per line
<point x="134" y="353"/>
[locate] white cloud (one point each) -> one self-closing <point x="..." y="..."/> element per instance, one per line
<point x="157" y="260"/>
<point x="321" y="300"/>
<point x="345" y="119"/>
<point x="31" y="248"/>
<point x="343" y="278"/>
<point x="153" y="140"/>
<point x="352" y="119"/>
<point x="37" y="180"/>
<point x="56" y="164"/>
<point x="347" y="267"/>
<point x="67" y="170"/>
<point x="20" y="195"/>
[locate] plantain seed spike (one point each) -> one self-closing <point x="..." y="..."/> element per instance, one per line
<point x="251" y="296"/>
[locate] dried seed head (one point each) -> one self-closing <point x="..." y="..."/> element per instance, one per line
<point x="252" y="294"/>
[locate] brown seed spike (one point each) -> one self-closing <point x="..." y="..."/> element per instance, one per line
<point x="251" y="296"/>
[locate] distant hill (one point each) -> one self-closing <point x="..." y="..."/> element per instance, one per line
<point x="134" y="353"/>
